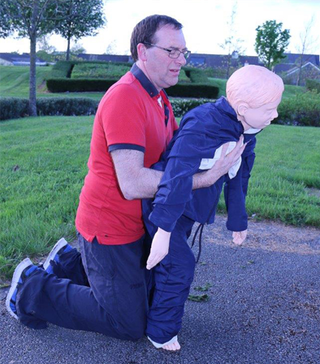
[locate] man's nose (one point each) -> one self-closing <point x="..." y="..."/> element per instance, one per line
<point x="181" y="59"/>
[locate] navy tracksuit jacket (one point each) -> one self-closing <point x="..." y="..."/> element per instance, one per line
<point x="176" y="206"/>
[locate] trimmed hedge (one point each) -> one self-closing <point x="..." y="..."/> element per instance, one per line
<point x="62" y="69"/>
<point x="196" y="75"/>
<point x="78" y="85"/>
<point x="82" y="85"/>
<point x="313" y="85"/>
<point x="61" y="82"/>
<point x="303" y="110"/>
<point x="12" y="108"/>
<point x="193" y="90"/>
<point x="181" y="106"/>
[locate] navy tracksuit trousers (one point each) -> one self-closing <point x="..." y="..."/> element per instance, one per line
<point x="103" y="290"/>
<point x="106" y="289"/>
<point x="172" y="279"/>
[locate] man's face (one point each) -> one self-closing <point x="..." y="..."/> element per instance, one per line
<point x="162" y="70"/>
<point x="261" y="117"/>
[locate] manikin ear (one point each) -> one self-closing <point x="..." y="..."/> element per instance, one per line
<point x="142" y="52"/>
<point x="242" y="109"/>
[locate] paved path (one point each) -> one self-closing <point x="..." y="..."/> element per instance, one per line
<point x="263" y="308"/>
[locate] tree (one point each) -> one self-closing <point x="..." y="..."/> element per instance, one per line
<point x="5" y="25"/>
<point x="307" y="41"/>
<point x="81" y="18"/>
<point x="271" y="42"/>
<point x="232" y="45"/>
<point x="29" y="18"/>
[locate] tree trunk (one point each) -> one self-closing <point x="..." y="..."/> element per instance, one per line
<point x="300" y="71"/>
<point x="68" y="50"/>
<point x="32" y="80"/>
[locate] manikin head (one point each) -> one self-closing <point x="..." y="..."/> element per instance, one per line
<point x="254" y="92"/>
<point x="152" y="42"/>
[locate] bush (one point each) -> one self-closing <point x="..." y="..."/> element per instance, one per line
<point x="313" y="85"/>
<point x="193" y="90"/>
<point x="196" y="75"/>
<point x="108" y="70"/>
<point x="82" y="85"/>
<point x="62" y="69"/>
<point x="12" y="108"/>
<point x="181" y="106"/>
<point x="302" y="109"/>
<point x="67" y="106"/>
<point x="78" y="85"/>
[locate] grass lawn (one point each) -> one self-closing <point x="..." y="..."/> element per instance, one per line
<point x="44" y="163"/>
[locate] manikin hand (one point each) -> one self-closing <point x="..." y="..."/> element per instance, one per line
<point x="159" y="248"/>
<point x="238" y="237"/>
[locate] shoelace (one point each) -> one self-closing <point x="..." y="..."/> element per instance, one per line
<point x="199" y="228"/>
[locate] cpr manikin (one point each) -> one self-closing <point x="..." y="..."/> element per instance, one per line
<point x="205" y="134"/>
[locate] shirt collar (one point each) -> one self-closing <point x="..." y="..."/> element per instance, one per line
<point x="145" y="82"/>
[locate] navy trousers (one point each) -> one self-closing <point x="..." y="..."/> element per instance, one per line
<point x="172" y="279"/>
<point x="105" y="291"/>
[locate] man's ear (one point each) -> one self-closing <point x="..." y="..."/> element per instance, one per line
<point x="242" y="109"/>
<point x="142" y="52"/>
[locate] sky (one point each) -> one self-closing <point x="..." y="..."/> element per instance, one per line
<point x="206" y="24"/>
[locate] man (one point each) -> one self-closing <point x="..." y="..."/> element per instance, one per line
<point x="105" y="289"/>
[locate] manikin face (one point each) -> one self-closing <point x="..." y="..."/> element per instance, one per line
<point x="162" y="70"/>
<point x="260" y="117"/>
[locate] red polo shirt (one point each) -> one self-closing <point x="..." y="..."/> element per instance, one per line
<point x="131" y="115"/>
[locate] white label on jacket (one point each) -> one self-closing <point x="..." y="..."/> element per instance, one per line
<point x="208" y="163"/>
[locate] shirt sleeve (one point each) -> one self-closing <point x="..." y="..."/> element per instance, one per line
<point x="123" y="117"/>
<point x="235" y="189"/>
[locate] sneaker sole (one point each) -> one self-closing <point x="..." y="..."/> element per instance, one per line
<point x="15" y="279"/>
<point x="60" y="244"/>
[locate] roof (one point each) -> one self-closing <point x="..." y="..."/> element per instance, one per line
<point x="20" y="59"/>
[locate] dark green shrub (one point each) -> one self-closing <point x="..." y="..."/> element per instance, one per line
<point x="193" y="90"/>
<point x="302" y="109"/>
<point x="181" y="106"/>
<point x="313" y="85"/>
<point x="78" y="85"/>
<point x="108" y="70"/>
<point x="196" y="75"/>
<point x="62" y="69"/>
<point x="11" y="108"/>
<point x="67" y="106"/>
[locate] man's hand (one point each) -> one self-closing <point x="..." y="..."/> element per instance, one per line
<point x="221" y="167"/>
<point x="159" y="248"/>
<point x="238" y="237"/>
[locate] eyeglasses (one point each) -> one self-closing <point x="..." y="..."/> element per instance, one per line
<point x="172" y="53"/>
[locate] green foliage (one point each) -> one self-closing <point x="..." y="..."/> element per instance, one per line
<point x="62" y="69"/>
<point x="80" y="18"/>
<point x="107" y="70"/>
<point x="303" y="109"/>
<point x="12" y="108"/>
<point x="271" y="42"/>
<point x="28" y="18"/>
<point x="196" y="75"/>
<point x="78" y="85"/>
<point x="313" y="85"/>
<point x="181" y="106"/>
<point x="193" y="90"/>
